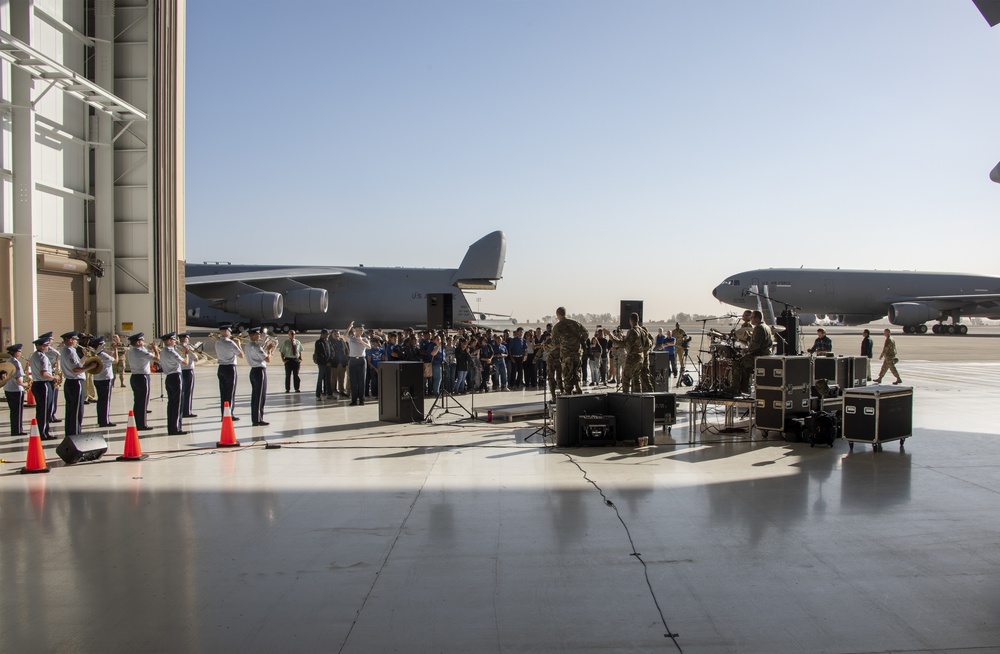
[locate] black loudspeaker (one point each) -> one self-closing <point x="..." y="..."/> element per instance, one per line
<point x="439" y="310"/>
<point x="635" y="414"/>
<point x="82" y="447"/>
<point x="659" y="366"/>
<point x="597" y="430"/>
<point x="628" y="308"/>
<point x="788" y="340"/>
<point x="569" y="408"/>
<point x="401" y="391"/>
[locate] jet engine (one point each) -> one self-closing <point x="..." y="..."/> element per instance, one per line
<point x="307" y="300"/>
<point x="262" y="306"/>
<point x="911" y="313"/>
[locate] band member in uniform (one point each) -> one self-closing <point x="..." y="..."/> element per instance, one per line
<point x="14" y="391"/>
<point x="257" y="358"/>
<point x="291" y="354"/>
<point x="227" y="351"/>
<point x="357" y="344"/>
<point x="187" y="378"/>
<point x="74" y="375"/>
<point x="171" y="361"/>
<point x="104" y="381"/>
<point x="42" y="382"/>
<point x="139" y="360"/>
<point x="760" y="345"/>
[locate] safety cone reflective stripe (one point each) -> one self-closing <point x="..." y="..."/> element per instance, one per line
<point x="29" y="399"/>
<point x="133" y="451"/>
<point x="36" y="455"/>
<point x="228" y="436"/>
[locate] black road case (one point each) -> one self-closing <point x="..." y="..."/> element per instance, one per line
<point x="835" y="370"/>
<point x="791" y="373"/>
<point x="774" y="405"/>
<point x="878" y="414"/>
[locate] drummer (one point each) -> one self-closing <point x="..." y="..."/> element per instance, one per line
<point x="14" y="390"/>
<point x="104" y="380"/>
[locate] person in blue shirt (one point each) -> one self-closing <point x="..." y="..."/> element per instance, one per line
<point x="669" y="346"/>
<point x="500" y="354"/>
<point x="516" y="347"/>
<point x="375" y="354"/>
<point x="435" y="351"/>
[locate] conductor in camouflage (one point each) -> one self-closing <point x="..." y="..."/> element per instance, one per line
<point x="568" y="337"/>
<point x="632" y="343"/>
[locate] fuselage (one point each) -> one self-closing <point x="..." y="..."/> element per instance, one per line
<point x="855" y="293"/>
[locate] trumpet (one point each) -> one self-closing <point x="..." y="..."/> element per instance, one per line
<point x="236" y="339"/>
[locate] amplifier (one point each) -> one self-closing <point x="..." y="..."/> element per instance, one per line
<point x="569" y="408"/>
<point x="597" y="430"/>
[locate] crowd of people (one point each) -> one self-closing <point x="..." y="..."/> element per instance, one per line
<point x="563" y="356"/>
<point x="473" y="359"/>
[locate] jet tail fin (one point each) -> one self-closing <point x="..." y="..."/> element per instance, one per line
<point x="482" y="266"/>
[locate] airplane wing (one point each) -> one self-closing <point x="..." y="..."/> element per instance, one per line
<point x="269" y="274"/>
<point x="949" y="302"/>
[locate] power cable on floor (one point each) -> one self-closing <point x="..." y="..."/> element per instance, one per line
<point x="645" y="569"/>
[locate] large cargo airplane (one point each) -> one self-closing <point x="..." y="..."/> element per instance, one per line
<point x="856" y="297"/>
<point x="314" y="297"/>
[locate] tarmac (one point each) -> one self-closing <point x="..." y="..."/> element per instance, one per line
<point x="465" y="536"/>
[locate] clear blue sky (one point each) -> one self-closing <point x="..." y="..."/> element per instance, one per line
<point x="629" y="150"/>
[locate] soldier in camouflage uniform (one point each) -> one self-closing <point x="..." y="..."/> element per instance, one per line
<point x="679" y="336"/>
<point x="553" y="369"/>
<point x="645" y="373"/>
<point x="568" y="337"/>
<point x="632" y="343"/>
<point x="889" y="359"/>
<point x="760" y="345"/>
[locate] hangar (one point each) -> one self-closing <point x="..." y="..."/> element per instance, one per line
<point x="91" y="166"/>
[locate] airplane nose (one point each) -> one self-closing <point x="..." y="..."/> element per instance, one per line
<point x="715" y="292"/>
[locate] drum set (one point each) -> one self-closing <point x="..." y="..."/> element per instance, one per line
<point x="718" y="375"/>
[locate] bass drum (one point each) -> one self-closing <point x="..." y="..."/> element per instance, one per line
<point x="719" y="375"/>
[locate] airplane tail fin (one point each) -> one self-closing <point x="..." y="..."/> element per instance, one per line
<point x="482" y="266"/>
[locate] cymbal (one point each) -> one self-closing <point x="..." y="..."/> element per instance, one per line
<point x="778" y="328"/>
<point x="715" y="333"/>
<point x="94" y="365"/>
<point x="7" y="370"/>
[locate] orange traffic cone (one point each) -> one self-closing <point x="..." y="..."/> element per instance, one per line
<point x="29" y="399"/>
<point x="36" y="455"/>
<point x="228" y="436"/>
<point x="133" y="451"/>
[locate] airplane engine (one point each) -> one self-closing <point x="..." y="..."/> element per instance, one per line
<point x="262" y="306"/>
<point x="911" y="313"/>
<point x="307" y="300"/>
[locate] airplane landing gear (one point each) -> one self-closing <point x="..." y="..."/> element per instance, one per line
<point x="954" y="328"/>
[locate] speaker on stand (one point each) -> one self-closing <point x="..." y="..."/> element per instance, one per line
<point x="440" y="310"/>
<point x="628" y="307"/>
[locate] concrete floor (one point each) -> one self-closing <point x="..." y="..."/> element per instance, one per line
<point x="361" y="536"/>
